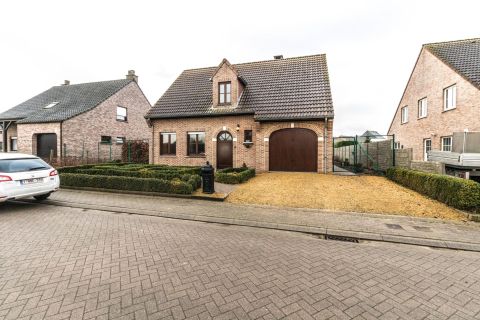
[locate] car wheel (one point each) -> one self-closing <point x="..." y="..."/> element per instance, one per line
<point x="42" y="197"/>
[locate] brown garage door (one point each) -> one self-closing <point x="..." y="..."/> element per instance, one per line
<point x="293" y="150"/>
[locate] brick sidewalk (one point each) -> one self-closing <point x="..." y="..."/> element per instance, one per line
<point x="419" y="231"/>
<point x="71" y="263"/>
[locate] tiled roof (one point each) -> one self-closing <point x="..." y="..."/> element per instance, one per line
<point x="463" y="56"/>
<point x="72" y="100"/>
<point x="283" y="89"/>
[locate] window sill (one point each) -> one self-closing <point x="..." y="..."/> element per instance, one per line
<point x="421" y="117"/>
<point x="168" y="156"/>
<point x="404" y="123"/>
<point x="196" y="156"/>
<point x="126" y="121"/>
<point x="446" y="110"/>
<point x="224" y="104"/>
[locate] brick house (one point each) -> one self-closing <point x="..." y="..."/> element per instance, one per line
<point x="90" y="120"/>
<point x="439" y="113"/>
<point x="274" y="115"/>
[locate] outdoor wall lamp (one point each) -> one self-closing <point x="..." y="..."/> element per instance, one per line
<point x="238" y="127"/>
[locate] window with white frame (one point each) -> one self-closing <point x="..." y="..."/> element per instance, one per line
<point x="450" y="98"/>
<point x="396" y="145"/>
<point x="13" y="144"/>
<point x="447" y="144"/>
<point x="121" y="114"/>
<point x="404" y="114"/>
<point x="427" y="147"/>
<point x="422" y="108"/>
<point x="120" y="140"/>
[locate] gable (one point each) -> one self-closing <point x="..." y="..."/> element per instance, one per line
<point x="463" y="56"/>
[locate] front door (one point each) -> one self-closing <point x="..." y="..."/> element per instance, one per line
<point x="224" y="150"/>
<point x="427" y="146"/>
<point x="46" y="145"/>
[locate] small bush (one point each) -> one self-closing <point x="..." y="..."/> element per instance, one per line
<point x="175" y="186"/>
<point x="456" y="192"/>
<point x="234" y="175"/>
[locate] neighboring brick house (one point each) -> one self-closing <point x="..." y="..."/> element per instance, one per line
<point x="90" y="120"/>
<point x="274" y="115"/>
<point x="440" y="107"/>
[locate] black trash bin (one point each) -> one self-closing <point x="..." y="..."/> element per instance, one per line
<point x="208" y="178"/>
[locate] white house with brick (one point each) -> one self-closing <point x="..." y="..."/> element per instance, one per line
<point x="274" y="115"/>
<point x="438" y="116"/>
<point x="90" y="120"/>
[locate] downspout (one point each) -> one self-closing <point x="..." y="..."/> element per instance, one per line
<point x="325" y="157"/>
<point x="153" y="141"/>
<point x="61" y="143"/>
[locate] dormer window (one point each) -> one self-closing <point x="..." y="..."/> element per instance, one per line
<point x="50" y="105"/>
<point x="224" y="93"/>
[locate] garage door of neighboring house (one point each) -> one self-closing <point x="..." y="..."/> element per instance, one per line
<point x="46" y="145"/>
<point x="293" y="150"/>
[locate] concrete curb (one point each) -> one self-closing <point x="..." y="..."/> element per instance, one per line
<point x="150" y="194"/>
<point x="318" y="231"/>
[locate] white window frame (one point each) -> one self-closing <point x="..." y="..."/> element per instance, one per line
<point x="404" y="115"/>
<point x="396" y="145"/>
<point x="120" y="116"/>
<point x="425" y="151"/>
<point x="120" y="140"/>
<point x="422" y="108"/>
<point x="450" y="97"/>
<point x="12" y="139"/>
<point x="447" y="146"/>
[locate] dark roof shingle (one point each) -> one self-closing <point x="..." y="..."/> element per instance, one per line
<point x="463" y="56"/>
<point x="72" y="100"/>
<point x="283" y="89"/>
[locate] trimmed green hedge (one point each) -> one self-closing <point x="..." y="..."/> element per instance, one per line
<point x="175" y="186"/>
<point x="183" y="180"/>
<point x="234" y="175"/>
<point x="456" y="192"/>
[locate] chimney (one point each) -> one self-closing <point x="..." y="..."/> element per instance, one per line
<point x="66" y="83"/>
<point x="131" y="76"/>
<point x="279" y="57"/>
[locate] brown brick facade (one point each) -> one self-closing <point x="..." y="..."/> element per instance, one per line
<point x="428" y="79"/>
<point x="81" y="135"/>
<point x="257" y="156"/>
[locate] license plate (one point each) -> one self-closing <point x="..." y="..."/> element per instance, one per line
<point x="32" y="181"/>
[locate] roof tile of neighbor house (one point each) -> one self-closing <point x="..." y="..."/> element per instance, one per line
<point x="72" y="100"/>
<point x="463" y="56"/>
<point x="281" y="89"/>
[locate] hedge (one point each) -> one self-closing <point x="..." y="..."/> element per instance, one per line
<point x="456" y="192"/>
<point x="175" y="186"/>
<point x="234" y="175"/>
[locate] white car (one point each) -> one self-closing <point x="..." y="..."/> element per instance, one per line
<point x="23" y="176"/>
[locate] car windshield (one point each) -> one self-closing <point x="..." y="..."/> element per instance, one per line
<point x="22" y="165"/>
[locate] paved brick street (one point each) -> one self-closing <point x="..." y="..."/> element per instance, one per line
<point x="60" y="262"/>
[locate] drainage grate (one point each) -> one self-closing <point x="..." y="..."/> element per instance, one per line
<point x="394" y="226"/>
<point x="341" y="238"/>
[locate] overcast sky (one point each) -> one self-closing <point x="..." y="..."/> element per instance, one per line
<point x="371" y="46"/>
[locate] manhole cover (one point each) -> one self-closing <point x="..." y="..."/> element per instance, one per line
<point x="394" y="226"/>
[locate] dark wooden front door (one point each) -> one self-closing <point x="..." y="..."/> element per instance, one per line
<point x="293" y="150"/>
<point x="224" y="150"/>
<point x="46" y="145"/>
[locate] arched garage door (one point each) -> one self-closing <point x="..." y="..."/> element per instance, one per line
<point x="293" y="150"/>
